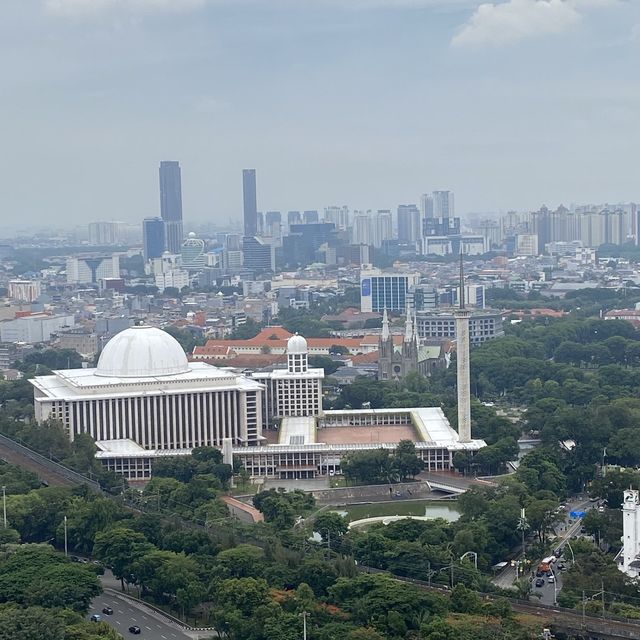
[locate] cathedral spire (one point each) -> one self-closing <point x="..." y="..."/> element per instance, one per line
<point x="385" y="325"/>
<point x="408" y="326"/>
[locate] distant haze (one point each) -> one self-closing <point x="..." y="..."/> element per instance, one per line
<point x="367" y="103"/>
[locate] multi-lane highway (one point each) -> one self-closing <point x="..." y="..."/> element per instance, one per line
<point x="126" y="613"/>
<point x="153" y="626"/>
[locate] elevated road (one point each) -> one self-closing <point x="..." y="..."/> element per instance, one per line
<point x="50" y="472"/>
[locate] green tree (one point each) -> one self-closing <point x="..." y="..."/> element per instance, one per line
<point x="330" y="523"/>
<point x="406" y="461"/>
<point x="30" y="623"/>
<point x="36" y="575"/>
<point x="243" y="561"/>
<point x="120" y="548"/>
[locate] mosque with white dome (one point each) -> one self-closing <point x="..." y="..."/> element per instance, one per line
<point x="145" y="400"/>
<point x="145" y="395"/>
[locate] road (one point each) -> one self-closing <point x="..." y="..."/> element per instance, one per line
<point x="564" y="531"/>
<point x="549" y="592"/>
<point x="126" y="613"/>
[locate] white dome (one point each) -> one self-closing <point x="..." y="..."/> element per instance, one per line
<point x="296" y="345"/>
<point x="142" y="351"/>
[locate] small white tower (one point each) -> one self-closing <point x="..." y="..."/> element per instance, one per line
<point x="297" y="354"/>
<point x="630" y="533"/>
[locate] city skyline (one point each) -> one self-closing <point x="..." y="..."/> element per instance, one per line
<point x="530" y="107"/>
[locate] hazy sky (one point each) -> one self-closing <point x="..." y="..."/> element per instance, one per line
<point x="360" y="102"/>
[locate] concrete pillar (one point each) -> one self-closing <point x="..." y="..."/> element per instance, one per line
<point x="464" y="386"/>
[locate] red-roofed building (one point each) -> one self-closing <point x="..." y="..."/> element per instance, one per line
<point x="630" y="315"/>
<point x="274" y="340"/>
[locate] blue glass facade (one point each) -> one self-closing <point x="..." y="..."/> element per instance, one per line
<point x="153" y="237"/>
<point x="389" y="292"/>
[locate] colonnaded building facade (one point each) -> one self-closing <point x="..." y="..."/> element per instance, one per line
<point x="145" y="401"/>
<point x="145" y="390"/>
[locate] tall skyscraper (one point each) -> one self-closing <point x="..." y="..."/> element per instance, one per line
<point x="426" y="205"/>
<point x="250" y="203"/>
<point x="443" y="204"/>
<point x="409" y="231"/>
<point x="171" y="204"/>
<point x="153" y="239"/>
<point x="372" y="228"/>
<point x="310" y="217"/>
<point x="293" y="217"/>
<point x="338" y="215"/>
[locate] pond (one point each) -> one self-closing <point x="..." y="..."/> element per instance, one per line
<point x="428" y="508"/>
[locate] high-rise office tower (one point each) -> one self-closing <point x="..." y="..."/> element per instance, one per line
<point x="443" y="204"/>
<point x="171" y="204"/>
<point x="426" y="205"/>
<point x="338" y="215"/>
<point x="382" y="227"/>
<point x="310" y="217"/>
<point x="153" y="242"/>
<point x="293" y="217"/>
<point x="273" y="224"/>
<point x="250" y="203"/>
<point x="409" y="231"/>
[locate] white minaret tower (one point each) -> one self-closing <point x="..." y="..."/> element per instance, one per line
<point x="462" y="355"/>
<point x="630" y="531"/>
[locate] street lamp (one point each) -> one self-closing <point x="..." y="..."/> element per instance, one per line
<point x="304" y="615"/>
<point x="66" y="552"/>
<point x="4" y="504"/>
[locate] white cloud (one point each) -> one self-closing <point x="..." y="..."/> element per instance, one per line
<point x="514" y="20"/>
<point x="88" y="7"/>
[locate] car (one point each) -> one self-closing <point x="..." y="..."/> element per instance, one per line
<point x="135" y="629"/>
<point x="562" y="566"/>
<point x="96" y="617"/>
<point x="107" y="611"/>
<point x="538" y="574"/>
<point x="540" y="582"/>
<point x="551" y="579"/>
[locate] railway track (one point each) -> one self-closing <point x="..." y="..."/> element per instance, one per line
<point x="589" y="626"/>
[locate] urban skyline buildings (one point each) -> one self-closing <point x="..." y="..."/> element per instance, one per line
<point x="250" y="203"/>
<point x="171" y="204"/>
<point x="153" y="238"/>
<point x="409" y="230"/>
